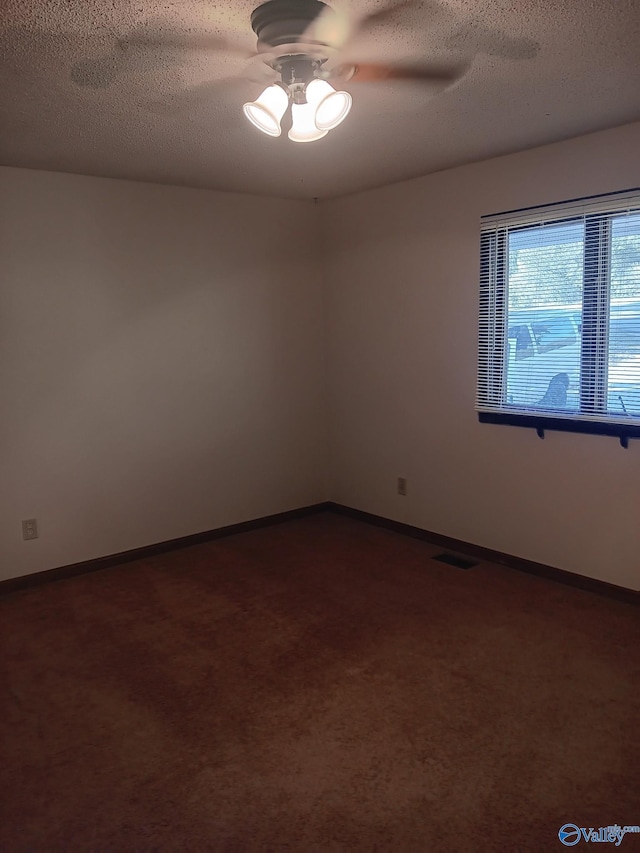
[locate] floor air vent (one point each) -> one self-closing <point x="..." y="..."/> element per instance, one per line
<point x="454" y="560"/>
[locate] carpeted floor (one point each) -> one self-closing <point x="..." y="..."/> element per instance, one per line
<point x="318" y="685"/>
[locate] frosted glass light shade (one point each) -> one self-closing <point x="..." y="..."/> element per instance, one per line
<point x="303" y="127"/>
<point x="266" y="111"/>
<point x="331" y="107"/>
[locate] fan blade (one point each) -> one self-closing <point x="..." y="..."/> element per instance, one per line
<point x="179" y="41"/>
<point x="473" y="37"/>
<point x="332" y="27"/>
<point x="337" y="27"/>
<point x="429" y="10"/>
<point x="366" y="72"/>
<point x="196" y="96"/>
<point x="101" y="71"/>
<point x="98" y="73"/>
<point x="187" y="99"/>
<point x="382" y="16"/>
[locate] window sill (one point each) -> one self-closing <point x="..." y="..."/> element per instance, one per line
<point x="541" y="422"/>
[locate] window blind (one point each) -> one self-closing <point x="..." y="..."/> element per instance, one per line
<point x="559" y="313"/>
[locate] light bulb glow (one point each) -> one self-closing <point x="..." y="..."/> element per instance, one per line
<point x="303" y="127"/>
<point x="331" y="107"/>
<point x="267" y="110"/>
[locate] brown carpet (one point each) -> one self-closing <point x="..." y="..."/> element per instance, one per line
<point x="317" y="685"/>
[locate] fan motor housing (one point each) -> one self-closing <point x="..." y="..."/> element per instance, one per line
<point x="283" y="22"/>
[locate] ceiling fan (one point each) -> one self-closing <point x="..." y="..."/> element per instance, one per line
<point x="302" y="52"/>
<point x="302" y="41"/>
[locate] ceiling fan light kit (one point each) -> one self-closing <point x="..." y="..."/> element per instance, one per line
<point x="316" y="107"/>
<point x="266" y="111"/>
<point x="303" y="126"/>
<point x="331" y="107"/>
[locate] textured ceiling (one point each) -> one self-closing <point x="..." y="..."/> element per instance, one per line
<point x="540" y="70"/>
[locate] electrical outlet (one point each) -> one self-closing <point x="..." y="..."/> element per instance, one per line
<point x="29" y="528"/>
<point x="402" y="486"/>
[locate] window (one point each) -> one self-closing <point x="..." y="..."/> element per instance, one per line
<point x="559" y="342"/>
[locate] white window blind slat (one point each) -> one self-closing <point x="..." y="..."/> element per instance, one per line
<point x="543" y="214"/>
<point x="559" y="315"/>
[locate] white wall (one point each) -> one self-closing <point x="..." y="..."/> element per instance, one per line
<point x="161" y="364"/>
<point x="402" y="280"/>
